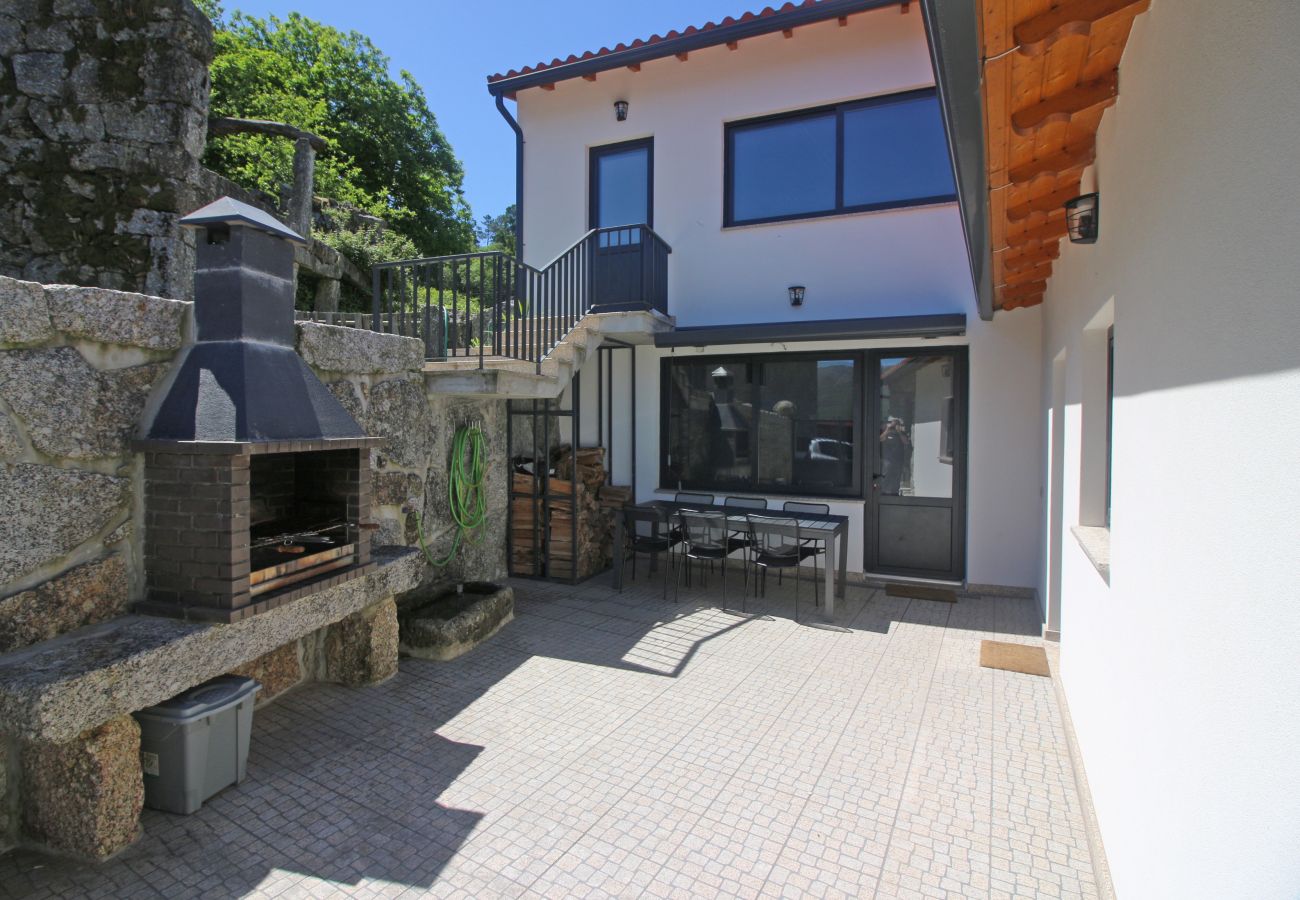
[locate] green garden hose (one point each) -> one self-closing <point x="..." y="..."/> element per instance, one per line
<point x="465" y="492"/>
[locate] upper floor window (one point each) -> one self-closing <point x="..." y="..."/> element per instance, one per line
<point x="868" y="154"/>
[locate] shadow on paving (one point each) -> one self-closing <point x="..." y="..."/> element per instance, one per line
<point x="350" y="785"/>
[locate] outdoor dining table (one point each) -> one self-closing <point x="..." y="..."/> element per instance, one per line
<point x="815" y="526"/>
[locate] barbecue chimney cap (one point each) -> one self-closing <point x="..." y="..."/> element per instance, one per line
<point x="229" y="211"/>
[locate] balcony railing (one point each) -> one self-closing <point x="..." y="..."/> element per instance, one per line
<point x="491" y="304"/>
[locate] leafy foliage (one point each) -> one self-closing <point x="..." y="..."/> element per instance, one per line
<point x="498" y="232"/>
<point x="365" y="243"/>
<point x="385" y="153"/>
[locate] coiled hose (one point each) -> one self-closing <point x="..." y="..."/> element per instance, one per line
<point x="465" y="492"/>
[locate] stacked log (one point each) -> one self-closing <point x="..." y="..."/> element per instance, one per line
<point x="596" y="505"/>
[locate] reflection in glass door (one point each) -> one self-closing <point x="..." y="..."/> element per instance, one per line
<point x="916" y="505"/>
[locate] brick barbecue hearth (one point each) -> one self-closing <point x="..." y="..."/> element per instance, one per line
<point x="257" y="481"/>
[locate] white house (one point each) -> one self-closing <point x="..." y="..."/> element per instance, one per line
<point x="871" y="302"/>
<point x="804" y="147"/>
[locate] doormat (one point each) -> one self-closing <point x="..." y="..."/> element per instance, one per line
<point x="1023" y="658"/>
<point x="921" y="592"/>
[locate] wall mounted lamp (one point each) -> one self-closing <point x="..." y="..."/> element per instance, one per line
<point x="796" y="294"/>
<point x="620" y="110"/>
<point x="1081" y="215"/>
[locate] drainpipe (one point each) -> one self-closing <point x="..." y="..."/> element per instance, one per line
<point x="519" y="174"/>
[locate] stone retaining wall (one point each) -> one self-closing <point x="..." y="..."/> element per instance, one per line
<point x="105" y="120"/>
<point x="77" y="367"/>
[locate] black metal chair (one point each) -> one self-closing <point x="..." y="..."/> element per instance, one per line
<point x="688" y="498"/>
<point x="645" y="531"/>
<point x="704" y="538"/>
<point x="738" y="536"/>
<point x="775" y="543"/>
<point x="813" y="547"/>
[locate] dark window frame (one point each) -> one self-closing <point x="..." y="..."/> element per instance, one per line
<point x="1110" y="412"/>
<point x="756" y="361"/>
<point x="839" y="109"/>
<point x="593" y="183"/>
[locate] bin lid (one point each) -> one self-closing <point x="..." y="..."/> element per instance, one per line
<point x="205" y="699"/>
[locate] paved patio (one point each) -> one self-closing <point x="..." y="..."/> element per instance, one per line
<point x="609" y="744"/>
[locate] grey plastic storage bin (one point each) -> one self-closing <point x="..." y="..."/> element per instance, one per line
<point x="196" y="743"/>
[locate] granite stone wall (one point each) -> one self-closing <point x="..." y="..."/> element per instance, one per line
<point x="77" y="368"/>
<point x="377" y="378"/>
<point x="103" y="119"/>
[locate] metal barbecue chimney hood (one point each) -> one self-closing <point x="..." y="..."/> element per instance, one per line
<point x="242" y="381"/>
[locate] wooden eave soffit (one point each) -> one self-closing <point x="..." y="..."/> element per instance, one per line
<point x="1041" y="131"/>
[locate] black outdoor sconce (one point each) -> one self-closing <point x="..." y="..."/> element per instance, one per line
<point x="620" y="110"/>
<point x="1081" y="218"/>
<point x="796" y="294"/>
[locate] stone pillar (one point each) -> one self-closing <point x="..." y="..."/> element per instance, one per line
<point x="327" y="295"/>
<point x="362" y="649"/>
<point x="304" y="167"/>
<point x="84" y="797"/>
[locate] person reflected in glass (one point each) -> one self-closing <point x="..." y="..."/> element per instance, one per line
<point x="895" y="446"/>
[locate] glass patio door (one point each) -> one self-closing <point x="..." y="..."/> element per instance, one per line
<point x="917" y="453"/>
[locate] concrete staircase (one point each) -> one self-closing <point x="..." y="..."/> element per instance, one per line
<point x="502" y="377"/>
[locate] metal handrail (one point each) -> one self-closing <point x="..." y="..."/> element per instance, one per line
<point x="490" y="303"/>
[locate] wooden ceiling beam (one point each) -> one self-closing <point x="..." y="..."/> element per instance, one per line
<point x="1051" y="229"/>
<point x="1020" y="291"/>
<point x="1091" y="95"/>
<point x="1044" y="204"/>
<point x="1072" y="156"/>
<point x="1018" y="259"/>
<point x="1040" y="272"/>
<point x="1035" y="35"/>
<point x="635" y="67"/>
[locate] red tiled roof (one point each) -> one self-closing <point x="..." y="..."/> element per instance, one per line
<point x="653" y="39"/>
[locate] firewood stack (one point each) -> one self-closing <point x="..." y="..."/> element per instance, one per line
<point x="596" y="507"/>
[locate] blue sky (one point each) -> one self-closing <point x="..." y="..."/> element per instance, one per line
<point x="451" y="47"/>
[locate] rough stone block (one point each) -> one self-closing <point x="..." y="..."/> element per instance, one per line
<point x="117" y="317"/>
<point x="39" y="74"/>
<point x="276" y="671"/>
<point x="54" y="510"/>
<point x="399" y="412"/>
<point x="355" y="350"/>
<point x="452" y="623"/>
<point x="24" y="315"/>
<point x="84" y="797"/>
<point x="11" y="440"/>
<point x="362" y="649"/>
<point x="85" y="595"/>
<point x="72" y="410"/>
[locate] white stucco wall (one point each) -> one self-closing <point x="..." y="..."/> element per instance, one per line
<point x="1182" y="674"/>
<point x="887" y="263"/>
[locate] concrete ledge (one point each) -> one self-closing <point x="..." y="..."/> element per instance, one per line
<point x="57" y="689"/>
<point x="1095" y="541"/>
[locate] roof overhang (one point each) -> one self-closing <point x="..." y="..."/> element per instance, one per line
<point x="1023" y="91"/>
<point x="952" y="27"/>
<point x="888" y="327"/>
<point x="698" y="39"/>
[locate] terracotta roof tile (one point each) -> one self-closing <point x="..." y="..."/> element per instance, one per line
<point x="653" y="39"/>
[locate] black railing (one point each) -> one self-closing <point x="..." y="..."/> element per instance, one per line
<point x="491" y="304"/>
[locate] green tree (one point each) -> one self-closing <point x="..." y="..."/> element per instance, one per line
<point x="498" y="232"/>
<point x="384" y="151"/>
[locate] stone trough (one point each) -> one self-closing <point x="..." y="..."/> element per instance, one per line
<point x="443" y="623"/>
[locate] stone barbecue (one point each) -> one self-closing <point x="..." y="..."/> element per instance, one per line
<point x="257" y="480"/>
